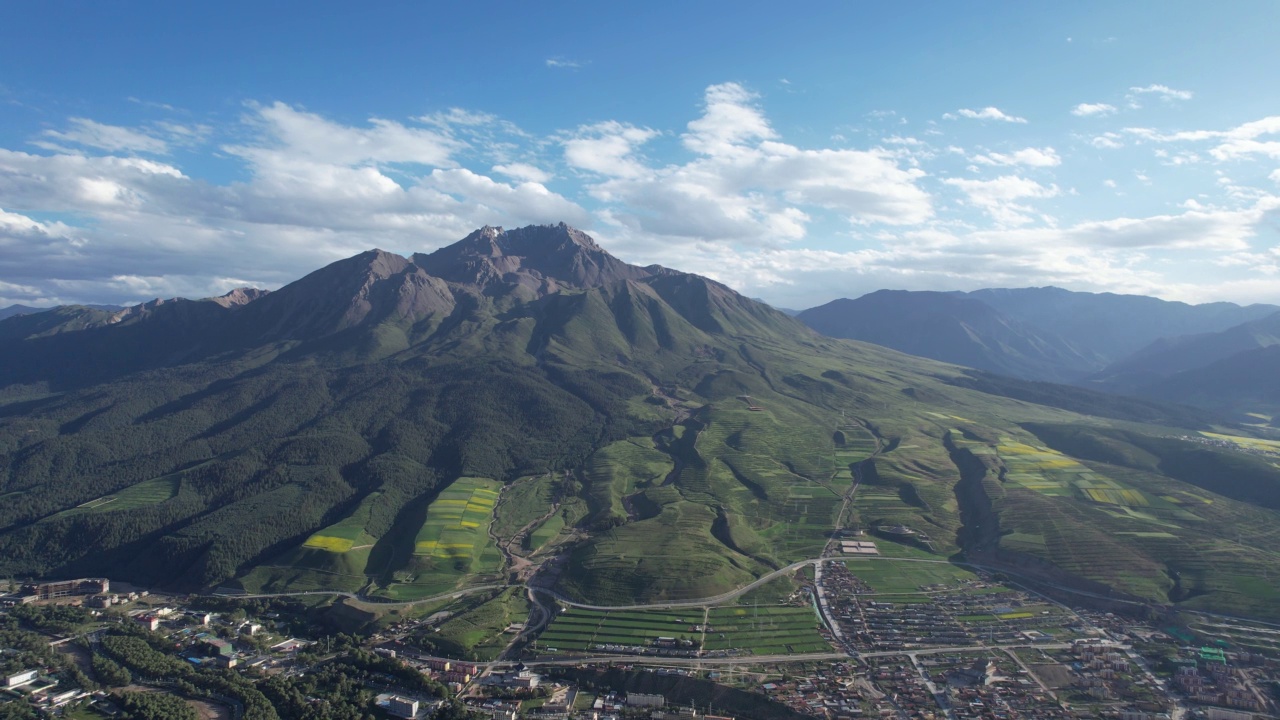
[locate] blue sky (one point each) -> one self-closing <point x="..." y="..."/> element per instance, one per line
<point x="797" y="152"/>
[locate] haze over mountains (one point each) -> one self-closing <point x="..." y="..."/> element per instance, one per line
<point x="1116" y="343"/>
<point x="668" y="437"/>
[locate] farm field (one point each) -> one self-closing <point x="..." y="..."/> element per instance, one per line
<point x="888" y="576"/>
<point x="453" y="545"/>
<point x="764" y="630"/>
<point x="720" y="630"/>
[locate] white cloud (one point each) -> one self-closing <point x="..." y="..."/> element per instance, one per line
<point x="111" y="138"/>
<point x="733" y="198"/>
<point x="1163" y="91"/>
<point x="747" y="186"/>
<point x="729" y="120"/>
<point x="608" y="148"/>
<point x="999" y="197"/>
<point x="986" y="113"/>
<point x="523" y="171"/>
<point x="1092" y="109"/>
<point x="297" y="135"/>
<point x="1030" y="157"/>
<point x="1238" y="142"/>
<point x="563" y="63"/>
<point x="1107" y="141"/>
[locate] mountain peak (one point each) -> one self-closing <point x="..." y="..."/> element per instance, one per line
<point x="539" y="258"/>
<point x="238" y="297"/>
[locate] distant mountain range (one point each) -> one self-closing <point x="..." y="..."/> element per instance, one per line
<point x="1117" y="343"/>
<point x="13" y="310"/>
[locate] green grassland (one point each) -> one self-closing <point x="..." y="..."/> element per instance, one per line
<point x="621" y="469"/>
<point x="523" y="501"/>
<point x="479" y="632"/>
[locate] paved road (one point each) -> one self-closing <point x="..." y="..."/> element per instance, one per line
<point x="452" y="594"/>
<point x="757" y="659"/>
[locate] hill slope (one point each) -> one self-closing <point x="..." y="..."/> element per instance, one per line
<point x="404" y="426"/>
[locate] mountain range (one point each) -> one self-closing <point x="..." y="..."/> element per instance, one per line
<point x="1122" y="344"/>
<point x="523" y="405"/>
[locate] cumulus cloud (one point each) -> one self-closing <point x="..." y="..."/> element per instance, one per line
<point x="96" y="216"/>
<point x="608" y="148"/>
<point x="1029" y="157"/>
<point x="744" y="184"/>
<point x="1092" y="109"/>
<point x="523" y="171"/>
<point x="317" y="190"/>
<point x="986" y="113"/>
<point x="1000" y="197"/>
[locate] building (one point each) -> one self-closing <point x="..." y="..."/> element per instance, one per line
<point x="22" y="678"/>
<point x="645" y="700"/>
<point x="402" y="707"/>
<point x="67" y="588"/>
<point x="219" y="647"/>
<point x="150" y="622"/>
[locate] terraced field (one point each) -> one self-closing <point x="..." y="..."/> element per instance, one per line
<point x="453" y="545"/>
<point x="458" y="521"/>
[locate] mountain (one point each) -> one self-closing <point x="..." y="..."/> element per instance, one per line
<point x="523" y="407"/>
<point x="1169" y="356"/>
<point x="1045" y="334"/>
<point x="1114" y="326"/>
<point x="954" y="328"/>
<point x="13" y="310"/>
<point x="1245" y="383"/>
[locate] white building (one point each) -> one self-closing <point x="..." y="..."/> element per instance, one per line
<point x="402" y="707"/>
<point x="22" y="678"/>
<point x="644" y="700"/>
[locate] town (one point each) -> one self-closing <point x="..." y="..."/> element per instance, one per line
<point x="932" y="642"/>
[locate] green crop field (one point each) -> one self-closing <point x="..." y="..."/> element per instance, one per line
<point x="144" y="494"/>
<point x="765" y="630"/>
<point x="453" y="544"/>
<point x="889" y="576"/>
<point x="762" y="629"/>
